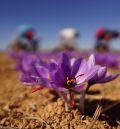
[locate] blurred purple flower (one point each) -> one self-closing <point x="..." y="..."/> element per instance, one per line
<point x="38" y="79"/>
<point x="102" y="75"/>
<point x="29" y="72"/>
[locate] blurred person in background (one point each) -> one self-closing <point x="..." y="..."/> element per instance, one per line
<point x="103" y="38"/>
<point x="67" y="39"/>
<point x="25" y="39"/>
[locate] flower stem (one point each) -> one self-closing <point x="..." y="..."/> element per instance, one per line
<point x="68" y="98"/>
<point x="82" y="99"/>
<point x="66" y="107"/>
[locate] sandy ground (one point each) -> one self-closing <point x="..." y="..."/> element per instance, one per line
<point x="21" y="109"/>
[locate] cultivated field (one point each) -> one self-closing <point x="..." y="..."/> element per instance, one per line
<point x="21" y="109"/>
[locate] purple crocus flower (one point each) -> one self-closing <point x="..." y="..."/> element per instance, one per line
<point x="67" y="74"/>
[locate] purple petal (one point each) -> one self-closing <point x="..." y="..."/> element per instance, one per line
<point x="65" y="64"/>
<point x="108" y="78"/>
<point x="53" y="65"/>
<point x="87" y="76"/>
<point x="57" y="77"/>
<point x="78" y="87"/>
<point x="91" y="61"/>
<point x="72" y="61"/>
<point x="83" y="68"/>
<point x="43" y="72"/>
<point x="61" y="89"/>
<point x="102" y="72"/>
<point x="76" y="66"/>
<point x="58" y="88"/>
<point x="28" y="80"/>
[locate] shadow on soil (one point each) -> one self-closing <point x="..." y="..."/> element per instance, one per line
<point x="112" y="115"/>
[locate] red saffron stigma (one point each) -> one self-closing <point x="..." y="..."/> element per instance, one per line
<point x="36" y="89"/>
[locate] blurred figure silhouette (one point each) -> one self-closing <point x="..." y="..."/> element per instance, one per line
<point x="67" y="39"/>
<point x="25" y="39"/>
<point x="103" y="38"/>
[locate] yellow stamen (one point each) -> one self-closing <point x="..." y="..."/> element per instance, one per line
<point x="70" y="81"/>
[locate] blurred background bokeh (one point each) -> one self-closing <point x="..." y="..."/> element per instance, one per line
<point x="49" y="17"/>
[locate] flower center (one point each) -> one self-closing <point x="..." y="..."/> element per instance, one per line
<point x="70" y="81"/>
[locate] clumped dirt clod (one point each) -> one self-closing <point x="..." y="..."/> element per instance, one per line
<point x="21" y="109"/>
